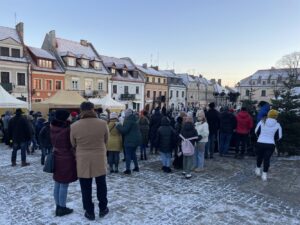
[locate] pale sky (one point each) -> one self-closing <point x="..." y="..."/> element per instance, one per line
<point x="228" y="39"/>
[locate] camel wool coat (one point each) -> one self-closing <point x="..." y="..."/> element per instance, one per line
<point x="89" y="137"/>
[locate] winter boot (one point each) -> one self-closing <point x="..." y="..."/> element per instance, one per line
<point x="257" y="171"/>
<point x="89" y="216"/>
<point x="136" y="169"/>
<point x="127" y="172"/>
<point x="13" y="163"/>
<point x="264" y="176"/>
<point x="163" y="168"/>
<point x="168" y="170"/>
<point x="57" y="210"/>
<point x="103" y="213"/>
<point x="24" y="163"/>
<point x="62" y="211"/>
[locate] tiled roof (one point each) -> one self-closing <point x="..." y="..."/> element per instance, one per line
<point x="41" y="53"/>
<point x="7" y="32"/>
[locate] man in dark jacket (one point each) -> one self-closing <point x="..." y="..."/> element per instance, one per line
<point x="227" y="125"/>
<point x="213" y="121"/>
<point x="19" y="132"/>
<point x="154" y="125"/>
<point x="165" y="141"/>
<point x="45" y="141"/>
<point x="132" y="139"/>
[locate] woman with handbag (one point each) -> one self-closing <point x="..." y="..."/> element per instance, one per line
<point x="64" y="160"/>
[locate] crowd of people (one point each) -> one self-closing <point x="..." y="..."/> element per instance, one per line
<point x="84" y="143"/>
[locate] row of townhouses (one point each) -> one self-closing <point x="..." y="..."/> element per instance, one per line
<point x="35" y="74"/>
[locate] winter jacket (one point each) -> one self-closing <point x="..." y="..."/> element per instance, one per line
<point x="263" y="112"/>
<point x="144" y="127"/>
<point x="115" y="138"/>
<point x="227" y="122"/>
<point x="45" y="137"/>
<point x="213" y="121"/>
<point x="244" y="122"/>
<point x="64" y="156"/>
<point x="89" y="137"/>
<point x="202" y="130"/>
<point x="165" y="137"/>
<point x="19" y="129"/>
<point x="268" y="131"/>
<point x="188" y="131"/>
<point x="6" y="119"/>
<point x="39" y="125"/>
<point x="154" y="125"/>
<point x="131" y="131"/>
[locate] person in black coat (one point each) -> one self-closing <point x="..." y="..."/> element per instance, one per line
<point x="45" y="141"/>
<point x="20" y="133"/>
<point x="154" y="125"/>
<point x="228" y="124"/>
<point x="213" y="121"/>
<point x="178" y="159"/>
<point x="165" y="141"/>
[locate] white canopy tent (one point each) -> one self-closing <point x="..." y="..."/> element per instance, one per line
<point x="107" y="103"/>
<point x="8" y="101"/>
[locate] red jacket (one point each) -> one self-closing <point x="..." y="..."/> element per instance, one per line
<point x="244" y="122"/>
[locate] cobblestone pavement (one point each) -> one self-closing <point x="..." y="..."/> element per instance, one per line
<point x="227" y="192"/>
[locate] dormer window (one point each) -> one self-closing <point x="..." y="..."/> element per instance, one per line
<point x="15" y="53"/>
<point x="71" y="61"/>
<point x="97" y="65"/>
<point x="124" y="72"/>
<point x="113" y="71"/>
<point x="84" y="63"/>
<point x="4" y="51"/>
<point x="45" y="63"/>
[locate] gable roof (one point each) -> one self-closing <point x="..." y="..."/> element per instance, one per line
<point x="118" y="62"/>
<point x="7" y="32"/>
<point x="41" y="53"/>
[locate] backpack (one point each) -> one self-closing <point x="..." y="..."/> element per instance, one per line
<point x="187" y="147"/>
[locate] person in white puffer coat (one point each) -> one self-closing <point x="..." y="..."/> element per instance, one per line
<point x="203" y="132"/>
<point x="268" y="131"/>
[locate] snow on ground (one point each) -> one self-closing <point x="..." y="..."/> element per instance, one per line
<point x="226" y="193"/>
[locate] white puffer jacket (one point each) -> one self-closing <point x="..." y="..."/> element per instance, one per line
<point x="267" y="131"/>
<point x="202" y="129"/>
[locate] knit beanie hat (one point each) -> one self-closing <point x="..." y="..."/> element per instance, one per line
<point x="128" y="112"/>
<point x="62" y="115"/>
<point x="273" y="114"/>
<point x="74" y="114"/>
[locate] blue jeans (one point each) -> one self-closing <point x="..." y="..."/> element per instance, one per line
<point x="210" y="145"/>
<point x="166" y="159"/>
<point x="225" y="139"/>
<point x="16" y="147"/>
<point x="199" y="154"/>
<point x="60" y="193"/>
<point x="130" y="153"/>
<point x="45" y="151"/>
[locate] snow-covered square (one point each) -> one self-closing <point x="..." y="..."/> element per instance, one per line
<point x="227" y="192"/>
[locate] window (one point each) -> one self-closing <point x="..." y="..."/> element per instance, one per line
<point x="100" y="85"/>
<point x="182" y="94"/>
<point x="171" y="93"/>
<point x="58" y="84"/>
<point x="137" y="90"/>
<point x="37" y="84"/>
<point x="113" y="71"/>
<point x="264" y="82"/>
<point x="153" y="79"/>
<point x="124" y="72"/>
<point x="148" y="94"/>
<point x="37" y="100"/>
<point x="15" y="53"/>
<point x="263" y="93"/>
<point x="4" y="77"/>
<point x="164" y="81"/>
<point x="177" y="94"/>
<point x="154" y="94"/>
<point x="49" y="85"/>
<point x="273" y="82"/>
<point x="115" y="89"/>
<point x="85" y="63"/>
<point x="147" y="79"/>
<point x="21" y="79"/>
<point x="71" y="61"/>
<point x="96" y="65"/>
<point x="159" y="93"/>
<point x="45" y="63"/>
<point x="4" y="51"/>
<point x="159" y="80"/>
<point x="247" y="93"/>
<point x="165" y="93"/>
<point x="75" y="84"/>
<point x="125" y="89"/>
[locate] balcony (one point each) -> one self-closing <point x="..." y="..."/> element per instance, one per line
<point x="7" y="86"/>
<point x="127" y="97"/>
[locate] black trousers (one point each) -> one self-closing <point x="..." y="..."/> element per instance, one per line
<point x="86" y="191"/>
<point x="241" y="139"/>
<point x="264" y="153"/>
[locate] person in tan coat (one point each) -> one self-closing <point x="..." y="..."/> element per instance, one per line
<point x="89" y="137"/>
<point x="114" y="146"/>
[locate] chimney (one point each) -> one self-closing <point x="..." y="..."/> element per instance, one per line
<point x="52" y="38"/>
<point x="154" y="67"/>
<point x="220" y="82"/>
<point x="145" y="65"/>
<point x="84" y="43"/>
<point x="20" y="30"/>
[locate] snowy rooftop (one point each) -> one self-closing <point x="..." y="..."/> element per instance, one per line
<point x="119" y="62"/>
<point x="296" y="91"/>
<point x="151" y="71"/>
<point x="7" y="32"/>
<point x="76" y="48"/>
<point x="41" y="53"/>
<point x="218" y="88"/>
